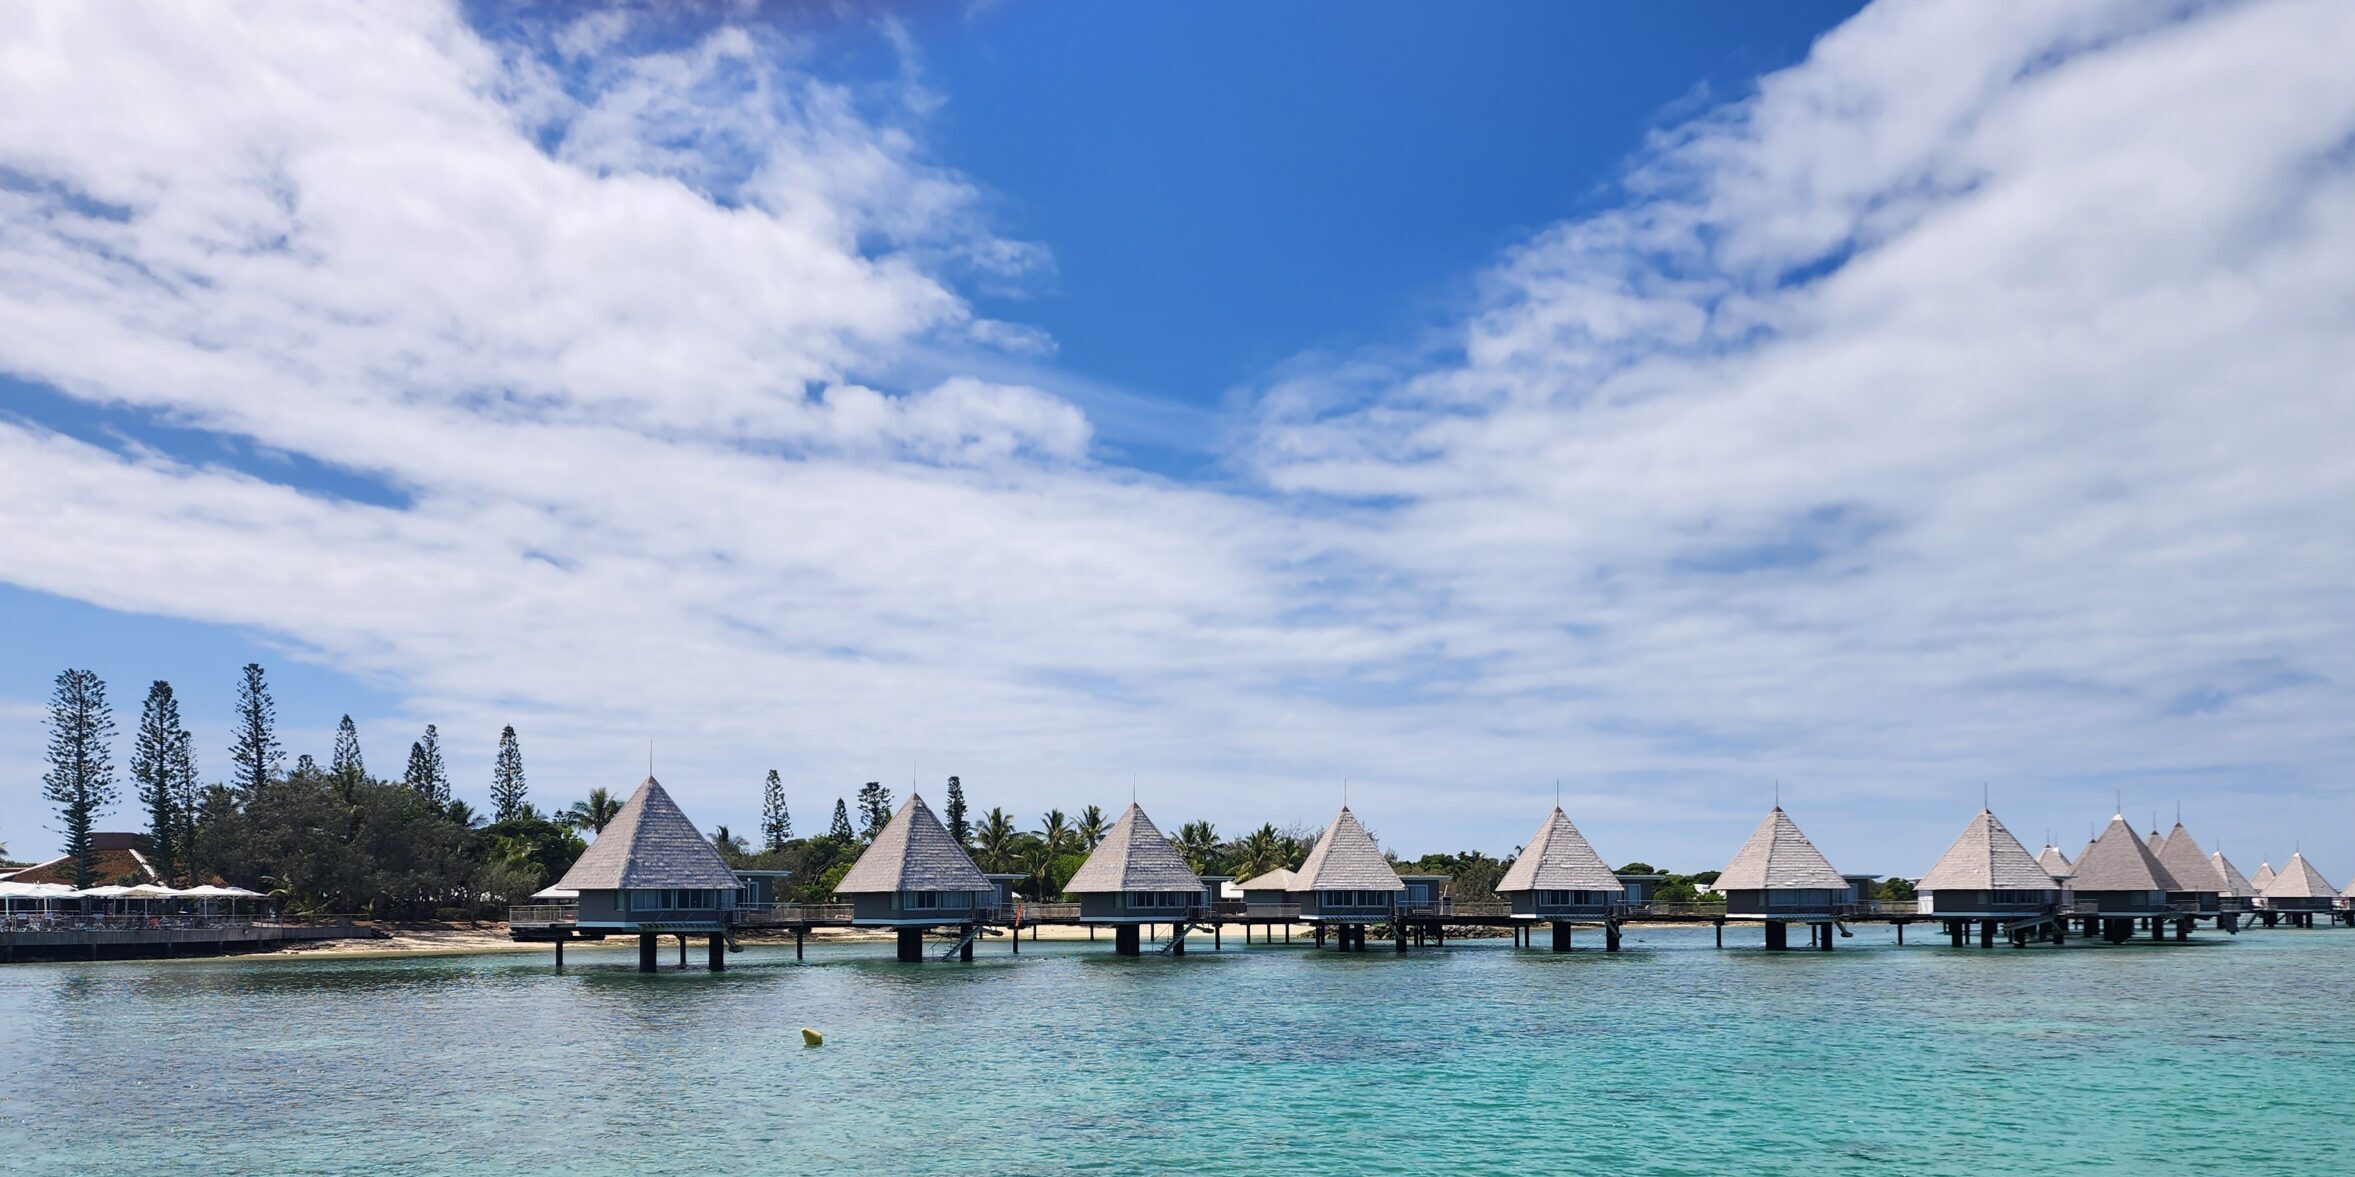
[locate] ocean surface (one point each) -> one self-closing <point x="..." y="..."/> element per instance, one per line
<point x="2221" y="1056"/>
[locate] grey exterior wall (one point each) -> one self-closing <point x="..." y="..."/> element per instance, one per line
<point x="884" y="908"/>
<point x="1526" y="903"/>
<point x="1984" y="903"/>
<point x="1798" y="904"/>
<point x="1114" y="908"/>
<point x="2121" y="902"/>
<point x="1312" y="903"/>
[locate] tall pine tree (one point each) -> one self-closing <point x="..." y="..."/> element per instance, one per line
<point x="182" y="772"/>
<point x="874" y="808"/>
<point x="959" y="828"/>
<point x="254" y="747"/>
<point x="153" y="749"/>
<point x="344" y="764"/>
<point x="507" y="789"/>
<point x="419" y="775"/>
<point x="776" y="822"/>
<point x="80" y="780"/>
<point x="840" y="831"/>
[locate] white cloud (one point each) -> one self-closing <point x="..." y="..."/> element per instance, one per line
<point x="2039" y="474"/>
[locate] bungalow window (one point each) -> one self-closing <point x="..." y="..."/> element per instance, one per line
<point x="1160" y="899"/>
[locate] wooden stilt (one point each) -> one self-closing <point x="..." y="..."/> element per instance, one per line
<point x="560" y="954"/>
<point x="1901" y="933"/>
<point x="1778" y="936"/>
<point x="682" y="950"/>
<point x="1721" y="933"/>
<point x="1825" y="933"/>
<point x="1611" y="936"/>
<point x="797" y="934"/>
<point x="716" y="953"/>
<point x="911" y="945"/>
<point x="646" y="952"/>
<point x="1125" y="939"/>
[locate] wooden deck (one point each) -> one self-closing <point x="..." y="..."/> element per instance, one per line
<point x="133" y="943"/>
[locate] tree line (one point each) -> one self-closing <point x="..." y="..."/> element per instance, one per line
<point x="335" y="837"/>
<point x="332" y="837"/>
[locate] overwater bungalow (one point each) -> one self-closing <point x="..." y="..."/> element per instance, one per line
<point x="1135" y="877"/>
<point x="650" y="872"/>
<point x="2237" y="886"/>
<point x="2120" y="881"/>
<point x="1987" y="876"/>
<point x="2200" y="887"/>
<point x="2298" y="893"/>
<point x="915" y="876"/>
<point x="1780" y="878"/>
<point x="1560" y="880"/>
<point x="2058" y="866"/>
<point x="1268" y="892"/>
<point x="1347" y="885"/>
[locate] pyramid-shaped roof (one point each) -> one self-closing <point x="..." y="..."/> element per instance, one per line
<point x="1133" y="857"/>
<point x="2157" y="841"/>
<point x="2235" y="883"/>
<point x="1985" y="857"/>
<point x="913" y="853"/>
<point x="1346" y="859"/>
<point x="2299" y="880"/>
<point x="1558" y="858"/>
<point x="649" y="844"/>
<point x="2055" y="863"/>
<point x="1779" y="858"/>
<point x="2190" y="865"/>
<point x="1280" y="879"/>
<point x="2263" y="878"/>
<point x="2119" y="861"/>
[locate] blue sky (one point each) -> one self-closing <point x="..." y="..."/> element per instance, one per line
<point x="1669" y="402"/>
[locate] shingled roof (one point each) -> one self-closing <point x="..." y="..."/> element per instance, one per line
<point x="1985" y="857"/>
<point x="649" y="844"/>
<point x="2299" y="880"/>
<point x="2263" y="878"/>
<point x="2184" y="859"/>
<point x="1346" y="859"/>
<point x="2235" y="883"/>
<point x="1558" y="858"/>
<point x="1274" y="880"/>
<point x="2055" y="863"/>
<point x="1133" y="857"/>
<point x="2119" y="861"/>
<point x="913" y="853"/>
<point x="1779" y="858"/>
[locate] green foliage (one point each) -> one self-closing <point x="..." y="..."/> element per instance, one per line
<point x="776" y="821"/>
<point x="1639" y="868"/>
<point x="376" y="848"/>
<point x="254" y="746"/>
<point x="153" y="747"/>
<point x="995" y="843"/>
<point x="1198" y="843"/>
<point x="594" y="813"/>
<point x="507" y="788"/>
<point x="840" y="831"/>
<point x="874" y="809"/>
<point x="345" y="763"/>
<point x="734" y="850"/>
<point x="80" y="780"/>
<point x="1473" y="875"/>
<point x="1092" y="825"/>
<point x="954" y="812"/>
<point x="533" y="841"/>
<point x="1893" y="889"/>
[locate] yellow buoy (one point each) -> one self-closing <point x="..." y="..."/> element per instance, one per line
<point x="811" y="1037"/>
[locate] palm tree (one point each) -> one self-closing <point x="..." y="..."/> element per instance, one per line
<point x="593" y="814"/>
<point x="1092" y="826"/>
<point x="730" y="846"/>
<point x="1055" y="837"/>
<point x="1262" y="851"/>
<point x="994" y="838"/>
<point x="1198" y="841"/>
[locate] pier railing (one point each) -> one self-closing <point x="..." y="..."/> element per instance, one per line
<point x="543" y="915"/>
<point x="1041" y="913"/>
<point x="762" y="914"/>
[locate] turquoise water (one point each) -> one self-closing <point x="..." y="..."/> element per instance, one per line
<point x="2222" y="1056"/>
